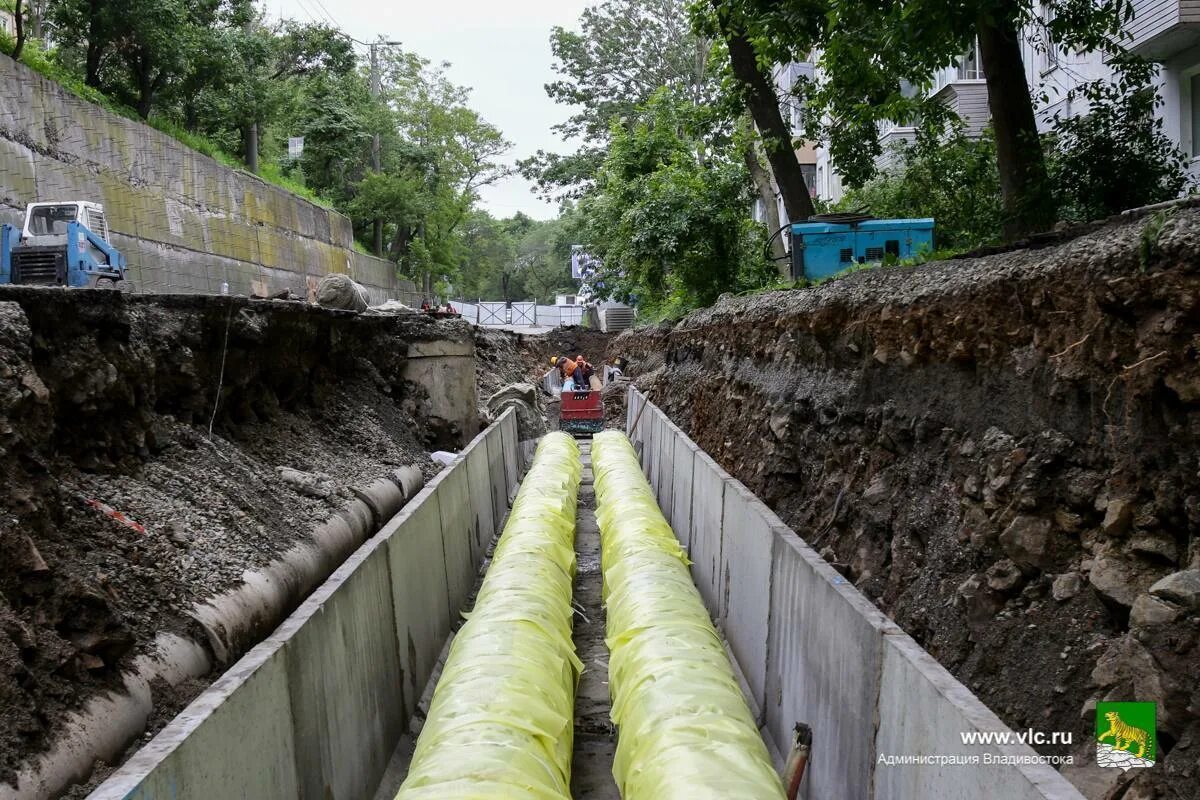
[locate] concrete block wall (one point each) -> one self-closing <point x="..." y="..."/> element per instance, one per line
<point x="316" y="710"/>
<point x="185" y="222"/>
<point x="813" y="649"/>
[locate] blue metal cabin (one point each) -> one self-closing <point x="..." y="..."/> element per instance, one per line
<point x="821" y="249"/>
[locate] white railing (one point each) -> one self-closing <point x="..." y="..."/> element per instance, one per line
<point x="523" y="313"/>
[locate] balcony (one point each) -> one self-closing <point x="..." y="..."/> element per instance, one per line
<point x="1162" y="28"/>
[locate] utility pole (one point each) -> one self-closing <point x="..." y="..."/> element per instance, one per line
<point x="376" y="155"/>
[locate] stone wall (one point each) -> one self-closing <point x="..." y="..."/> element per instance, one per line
<point x="185" y="222"/>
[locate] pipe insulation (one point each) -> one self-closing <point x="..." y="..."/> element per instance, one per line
<point x="685" y="731"/>
<point x="233" y="622"/>
<point x="501" y="721"/>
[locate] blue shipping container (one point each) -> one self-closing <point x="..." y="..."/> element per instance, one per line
<point x="821" y="249"/>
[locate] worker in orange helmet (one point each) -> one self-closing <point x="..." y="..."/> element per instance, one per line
<point x="574" y="372"/>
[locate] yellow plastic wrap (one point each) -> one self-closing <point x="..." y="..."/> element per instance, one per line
<point x="684" y="728"/>
<point x="500" y="723"/>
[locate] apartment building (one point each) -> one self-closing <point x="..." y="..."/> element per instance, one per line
<point x="1164" y="31"/>
<point x="1168" y="32"/>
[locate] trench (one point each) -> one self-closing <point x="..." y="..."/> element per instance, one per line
<point x="594" y="735"/>
<point x="341" y="720"/>
<point x="595" y="739"/>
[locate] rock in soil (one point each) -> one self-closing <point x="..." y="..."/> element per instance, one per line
<point x="140" y="458"/>
<point x="920" y="425"/>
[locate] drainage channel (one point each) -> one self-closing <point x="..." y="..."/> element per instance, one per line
<point x="595" y="740"/>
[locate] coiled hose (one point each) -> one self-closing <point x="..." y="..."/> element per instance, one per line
<point x="685" y="730"/>
<point x="500" y="724"/>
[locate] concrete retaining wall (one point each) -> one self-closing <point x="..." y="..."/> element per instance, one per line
<point x="813" y="649"/>
<point x="185" y="222"/>
<point x="316" y="709"/>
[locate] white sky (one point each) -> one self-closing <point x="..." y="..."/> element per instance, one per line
<point x="499" y="49"/>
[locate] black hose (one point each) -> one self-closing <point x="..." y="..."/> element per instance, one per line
<point x="767" y="250"/>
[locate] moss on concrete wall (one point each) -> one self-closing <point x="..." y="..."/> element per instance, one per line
<point x="185" y="222"/>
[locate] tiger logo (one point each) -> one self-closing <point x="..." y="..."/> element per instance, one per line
<point x="1124" y="735"/>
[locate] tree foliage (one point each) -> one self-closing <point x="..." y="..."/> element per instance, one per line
<point x="952" y="179"/>
<point x="216" y="73"/>
<point x="879" y="58"/>
<point x="625" y="51"/>
<point x="667" y="223"/>
<point x="1117" y="155"/>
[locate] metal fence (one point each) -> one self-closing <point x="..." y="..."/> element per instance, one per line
<point x="520" y="314"/>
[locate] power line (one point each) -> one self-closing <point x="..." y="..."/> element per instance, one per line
<point x="325" y="11"/>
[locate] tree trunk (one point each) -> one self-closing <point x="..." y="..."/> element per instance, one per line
<point x="1024" y="187"/>
<point x="763" y="104"/>
<point x="95" y="46"/>
<point x="19" y="21"/>
<point x="766" y="193"/>
<point x="250" y="147"/>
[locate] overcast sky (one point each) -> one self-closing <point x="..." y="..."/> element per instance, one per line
<point x="499" y="49"/>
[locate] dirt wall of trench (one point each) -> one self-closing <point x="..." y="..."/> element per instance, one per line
<point x="1001" y="452"/>
<point x="112" y="399"/>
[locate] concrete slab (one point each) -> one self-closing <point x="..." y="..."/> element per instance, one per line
<point x="824" y="657"/>
<point x="422" y="608"/>
<point x="923" y="710"/>
<point x="458" y="532"/>
<point x="708" y="504"/>
<point x="235" y="740"/>
<point x="649" y="427"/>
<point x="507" y="423"/>
<point x="683" y="461"/>
<point x="344" y="681"/>
<point x="497" y="476"/>
<point x="746" y="551"/>
<point x="479" y="483"/>
<point x="666" y="465"/>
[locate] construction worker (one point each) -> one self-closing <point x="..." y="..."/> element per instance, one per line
<point x="574" y="372"/>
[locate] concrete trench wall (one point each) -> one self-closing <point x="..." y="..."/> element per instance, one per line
<point x="185" y="222"/>
<point x="316" y="709"/>
<point x="813" y="649"/>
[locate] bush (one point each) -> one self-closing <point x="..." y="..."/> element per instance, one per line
<point x="1116" y="157"/>
<point x="952" y="179"/>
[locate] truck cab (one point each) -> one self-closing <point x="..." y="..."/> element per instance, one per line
<point x="60" y="244"/>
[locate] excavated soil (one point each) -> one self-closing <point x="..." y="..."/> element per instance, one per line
<point x="504" y="357"/>
<point x="1001" y="452"/>
<point x="108" y="405"/>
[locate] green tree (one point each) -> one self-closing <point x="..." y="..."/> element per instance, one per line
<point x="1116" y="156"/>
<point x="879" y="58"/>
<point x="950" y="178"/>
<point x="625" y="50"/>
<point x="454" y="150"/>
<point x="757" y="90"/>
<point x="667" y="225"/>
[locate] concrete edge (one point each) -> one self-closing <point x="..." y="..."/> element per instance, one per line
<point x="129" y="777"/>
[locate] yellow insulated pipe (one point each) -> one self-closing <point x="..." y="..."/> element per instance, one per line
<point x="685" y="730"/>
<point x="500" y="724"/>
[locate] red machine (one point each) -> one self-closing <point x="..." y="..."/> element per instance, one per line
<point x="581" y="412"/>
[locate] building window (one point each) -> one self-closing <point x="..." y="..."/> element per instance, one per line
<point x="1050" y="52"/>
<point x="1194" y="91"/>
<point x="809" y="171"/>
<point x="969" y="68"/>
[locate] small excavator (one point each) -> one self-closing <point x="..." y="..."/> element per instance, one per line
<point x="581" y="411"/>
<point x="60" y="244"/>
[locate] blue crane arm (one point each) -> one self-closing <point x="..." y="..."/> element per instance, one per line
<point x="81" y="263"/>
